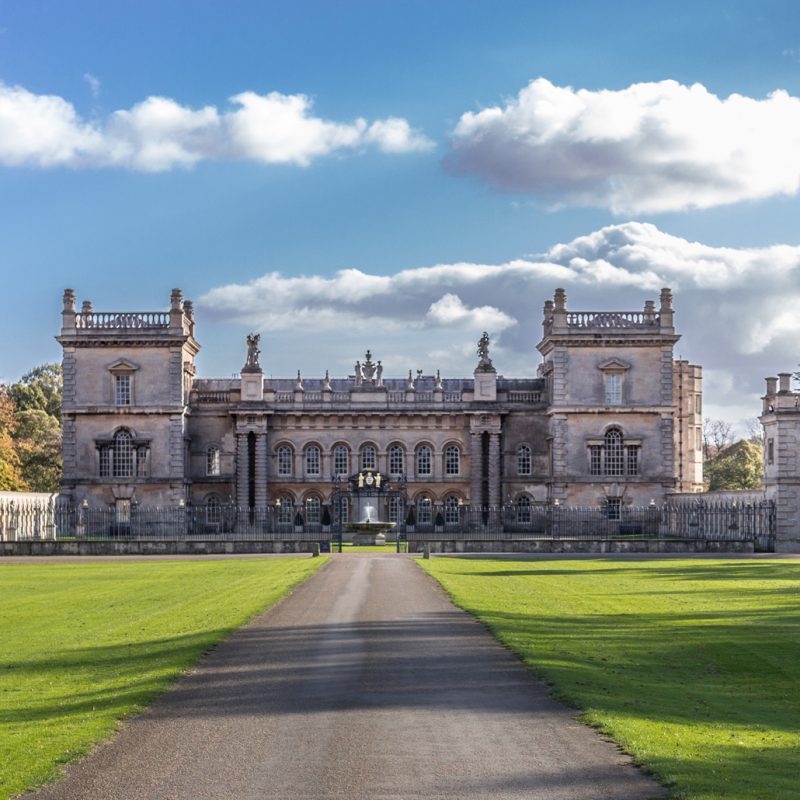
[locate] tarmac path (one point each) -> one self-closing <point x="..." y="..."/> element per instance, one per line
<point x="365" y="683"/>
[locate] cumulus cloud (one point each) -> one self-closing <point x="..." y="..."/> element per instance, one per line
<point x="735" y="308"/>
<point x="160" y="134"/>
<point x="651" y="147"/>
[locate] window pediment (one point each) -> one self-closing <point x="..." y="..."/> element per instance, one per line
<point x="122" y="365"/>
<point x="614" y="365"/>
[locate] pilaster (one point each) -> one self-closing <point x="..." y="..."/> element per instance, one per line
<point x="476" y="469"/>
<point x="495" y="472"/>
<point x="242" y="471"/>
<point x="261" y="470"/>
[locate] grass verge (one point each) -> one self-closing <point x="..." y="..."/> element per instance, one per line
<point x="692" y="666"/>
<point x="83" y="645"/>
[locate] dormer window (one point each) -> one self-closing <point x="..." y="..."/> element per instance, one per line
<point x="613" y="372"/>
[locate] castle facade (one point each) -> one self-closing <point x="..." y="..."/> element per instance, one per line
<point x="608" y="417"/>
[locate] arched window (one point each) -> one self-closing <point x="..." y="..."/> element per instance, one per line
<point x="451" y="510"/>
<point x="285" y="509"/>
<point x="523" y="508"/>
<point x="123" y="454"/>
<point x="523" y="460"/>
<point x="312" y="460"/>
<point x="284" y="460"/>
<point x="369" y="458"/>
<point x="213" y="510"/>
<point x="424" y="460"/>
<point x="424" y="510"/>
<point x="341" y="460"/>
<point x="212" y="461"/>
<point x="452" y="460"/>
<point x="313" y="507"/>
<point x="397" y="460"/>
<point x="342" y="509"/>
<point x="613" y="452"/>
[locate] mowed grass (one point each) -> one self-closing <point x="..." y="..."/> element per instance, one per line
<point x="693" y="666"/>
<point x="83" y="645"/>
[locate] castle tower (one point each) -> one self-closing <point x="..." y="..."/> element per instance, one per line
<point x="127" y="379"/>
<point x="610" y="379"/>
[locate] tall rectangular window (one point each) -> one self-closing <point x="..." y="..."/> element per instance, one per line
<point x="613" y="389"/>
<point x="633" y="459"/>
<point x="595" y="459"/>
<point x="105" y="462"/>
<point x="770" y="451"/>
<point x="122" y="390"/>
<point x="614" y="508"/>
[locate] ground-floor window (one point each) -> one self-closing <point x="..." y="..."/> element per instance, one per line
<point x="614" y="508"/>
<point x="523" y="509"/>
<point x="424" y="511"/>
<point x="451" y="510"/>
<point x="313" y="507"/>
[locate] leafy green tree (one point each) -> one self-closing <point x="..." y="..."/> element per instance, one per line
<point x="738" y="466"/>
<point x="34" y="403"/>
<point x="39" y="390"/>
<point x="11" y="479"/>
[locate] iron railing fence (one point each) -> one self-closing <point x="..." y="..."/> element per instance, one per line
<point x="720" y="521"/>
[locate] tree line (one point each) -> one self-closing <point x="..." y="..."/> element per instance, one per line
<point x="30" y="431"/>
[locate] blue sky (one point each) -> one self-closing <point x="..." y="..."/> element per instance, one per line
<point x="129" y="208"/>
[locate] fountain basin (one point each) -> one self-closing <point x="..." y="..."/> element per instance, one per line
<point x="369" y="532"/>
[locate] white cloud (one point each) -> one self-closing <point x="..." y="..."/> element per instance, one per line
<point x="449" y="310"/>
<point x="735" y="308"/>
<point x="159" y="134"/>
<point x="652" y="147"/>
<point x="94" y="83"/>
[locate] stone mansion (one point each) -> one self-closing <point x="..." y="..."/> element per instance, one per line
<point x="608" y="418"/>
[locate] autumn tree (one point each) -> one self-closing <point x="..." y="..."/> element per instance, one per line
<point x="11" y="479"/>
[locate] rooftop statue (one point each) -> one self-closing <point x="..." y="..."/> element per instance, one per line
<point x="252" y="351"/>
<point x="484" y="362"/>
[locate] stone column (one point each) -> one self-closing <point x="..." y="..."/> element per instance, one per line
<point x="261" y="470"/>
<point x="242" y="472"/>
<point x="476" y="469"/>
<point x="495" y="496"/>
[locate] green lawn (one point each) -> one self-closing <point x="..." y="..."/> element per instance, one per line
<point x="692" y="665"/>
<point x="82" y="645"/>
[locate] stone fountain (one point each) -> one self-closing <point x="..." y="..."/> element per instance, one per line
<point x="369" y="529"/>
